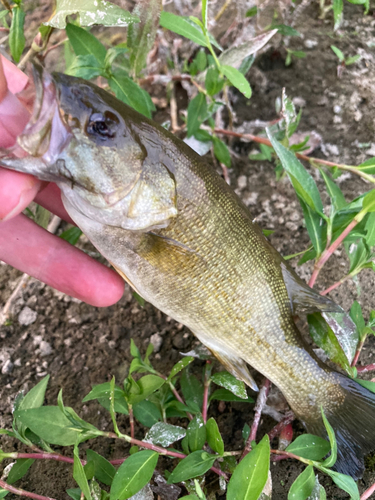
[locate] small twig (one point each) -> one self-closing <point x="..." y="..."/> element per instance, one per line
<point x="328" y="252"/>
<point x="43" y="456"/>
<point x="288" y="419"/>
<point x="53" y="47"/>
<point x="261" y="401"/>
<point x="368" y="492"/>
<point x="131" y="420"/>
<point x="365" y="369"/>
<point x="225" y="173"/>
<point x="22" y="493"/>
<point x="282" y="455"/>
<point x="207" y="382"/>
<point x="358" y="351"/>
<point x="335" y="285"/>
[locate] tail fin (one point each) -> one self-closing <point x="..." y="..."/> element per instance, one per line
<point x="354" y="426"/>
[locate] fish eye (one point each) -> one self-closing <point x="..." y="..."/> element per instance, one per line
<point x="103" y="125"/>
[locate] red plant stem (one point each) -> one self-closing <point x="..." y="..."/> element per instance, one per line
<point x="176" y="394"/>
<point x="335" y="285"/>
<point x="261" y="401"/>
<point x="207" y="382"/>
<point x="22" y="493"/>
<point x="288" y="419"/>
<point x="368" y="492"/>
<point x="284" y="454"/>
<point x="358" y="352"/>
<point x="131" y="420"/>
<point x="45" y="456"/>
<point x="329" y="251"/>
<point x="365" y="369"/>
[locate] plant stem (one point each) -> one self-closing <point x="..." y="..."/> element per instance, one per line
<point x="131" y="420"/>
<point x="368" y="492"/>
<point x="176" y="394"/>
<point x="365" y="369"/>
<point x="288" y="419"/>
<point x="358" y="351"/>
<point x="43" y="456"/>
<point x="207" y="382"/>
<point x="285" y="454"/>
<point x="22" y="493"/>
<point x="335" y="285"/>
<point x="329" y="251"/>
<point x="261" y="401"/>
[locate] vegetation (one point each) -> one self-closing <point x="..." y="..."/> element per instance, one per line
<point x="153" y="399"/>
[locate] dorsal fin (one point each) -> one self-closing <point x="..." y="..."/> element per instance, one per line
<point x="304" y="299"/>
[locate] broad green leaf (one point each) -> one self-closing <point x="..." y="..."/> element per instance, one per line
<point x="183" y="27"/>
<point x="86" y="67"/>
<point x="335" y="193"/>
<point x="180" y="366"/>
<point x="357" y="316"/>
<point x="358" y="254"/>
<point x="214" y="439"/>
<point x="19" y="469"/>
<point x="331" y="460"/>
<point x="237" y="79"/>
<point x="338" y="53"/>
<point x="103" y="470"/>
<point x="251" y="474"/>
<point x="165" y="434"/>
<point x="345" y="332"/>
<point x="90" y="12"/>
<point x="50" y="424"/>
<point x="344" y="482"/>
<point x="147" y="384"/>
<point x="221" y="151"/>
<point x="121" y="405"/>
<point x="191" y="388"/>
<point x="303" y="486"/>
<point x="16" y="34"/>
<point x="74" y="493"/>
<point x="130" y="93"/>
<point x="85" y="43"/>
<point x="309" y="446"/>
<point x="195" y="464"/>
<point x="324" y="337"/>
<point x="102" y="391"/>
<point x="228" y="381"/>
<point x="204" y="13"/>
<point x="147" y="413"/>
<point x="367" y="166"/>
<point x="302" y="181"/>
<point x="370" y="230"/>
<point x="197" y="113"/>
<point x="35" y="397"/>
<point x="134" y="351"/>
<point x="79" y="474"/>
<point x="352" y="59"/>
<point x="369" y="201"/>
<point x="225" y="395"/>
<point x="141" y="36"/>
<point x="71" y="235"/>
<point x="338" y="7"/>
<point x="314" y="225"/>
<point x="196" y="433"/>
<point x="3" y="493"/>
<point x="133" y="474"/>
<point x="213" y="82"/>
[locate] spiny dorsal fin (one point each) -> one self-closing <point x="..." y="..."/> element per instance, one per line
<point x="304" y="299"/>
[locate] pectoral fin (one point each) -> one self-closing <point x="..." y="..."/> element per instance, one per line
<point x="237" y="367"/>
<point x="304" y="299"/>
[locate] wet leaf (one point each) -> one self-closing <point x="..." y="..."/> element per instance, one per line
<point x="90" y="12"/>
<point x="103" y="470"/>
<point x="133" y="474"/>
<point x="309" y="447"/>
<point x="16" y="34"/>
<point x="182" y="26"/>
<point x="180" y="366"/>
<point x="214" y="439"/>
<point x="345" y="332"/>
<point x="237" y="79"/>
<point x="79" y="475"/>
<point x="228" y="381"/>
<point x="196" y="433"/>
<point x="235" y="55"/>
<point x="85" y="43"/>
<point x="164" y="434"/>
<point x="225" y="395"/>
<point x="147" y="413"/>
<point x="251" y="474"/>
<point x="130" y="93"/>
<point x="303" y="486"/>
<point x="193" y="465"/>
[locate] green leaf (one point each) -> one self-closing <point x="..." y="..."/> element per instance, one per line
<point x="338" y="53"/>
<point x="196" y="433"/>
<point x="79" y="474"/>
<point x="367" y="166"/>
<point x="310" y="447"/>
<point x="213" y="82"/>
<point x="358" y="254"/>
<point x="214" y="439"/>
<point x="285" y="30"/>
<point x="314" y="226"/>
<point x="130" y="93"/>
<point x="344" y="482"/>
<point x="370" y="230"/>
<point x="133" y="474"/>
<point x="331" y="460"/>
<point x="221" y="151"/>
<point x="334" y="192"/>
<point x="191" y="388"/>
<point x="102" y="391"/>
<point x="197" y="113"/>
<point x="71" y="235"/>
<point x="103" y="470"/>
<point x="147" y="384"/>
<point x="50" y="424"/>
<point x="352" y="59"/>
<point x="338" y="7"/>
<point x="19" y="469"/>
<point x="90" y="12"/>
<point x="357" y="316"/>
<point x="35" y="397"/>
<point x="366" y="383"/>
<point x="165" y="434"/>
<point x="183" y="27"/>
<point x="16" y="34"/>
<point x="141" y="36"/>
<point x="147" y="413"/>
<point x="228" y="381"/>
<point x="195" y="464"/>
<point x="134" y="351"/>
<point x="346" y="333"/>
<point x="369" y="201"/>
<point x="86" y="67"/>
<point x="204" y="13"/>
<point x="237" y="79"/>
<point x="85" y="43"/>
<point x="251" y="474"/>
<point x="74" y="493"/>
<point x="180" y="366"/>
<point x="225" y="395"/>
<point x="303" y="486"/>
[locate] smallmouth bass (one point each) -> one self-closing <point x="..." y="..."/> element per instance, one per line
<point x="178" y="234"/>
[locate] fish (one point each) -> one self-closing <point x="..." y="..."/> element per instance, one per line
<point x="185" y="242"/>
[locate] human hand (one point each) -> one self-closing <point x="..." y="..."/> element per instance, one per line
<point x="25" y="245"/>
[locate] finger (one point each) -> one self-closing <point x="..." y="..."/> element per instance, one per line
<point x="50" y="198"/>
<point x="28" y="247"/>
<point x="16" y="79"/>
<point x="17" y="190"/>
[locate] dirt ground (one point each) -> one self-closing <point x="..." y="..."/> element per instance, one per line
<point x="80" y="345"/>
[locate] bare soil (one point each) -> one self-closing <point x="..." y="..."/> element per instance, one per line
<point x="80" y="345"/>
